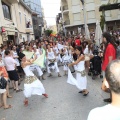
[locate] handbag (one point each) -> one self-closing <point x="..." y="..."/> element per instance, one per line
<point x="3" y="83"/>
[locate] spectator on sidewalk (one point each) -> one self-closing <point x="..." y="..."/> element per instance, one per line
<point x="3" y="92"/>
<point x="109" y="55"/>
<point x="110" y="111"/>
<point x="10" y="64"/>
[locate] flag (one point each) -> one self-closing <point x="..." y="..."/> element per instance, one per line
<point x="28" y="54"/>
<point x="40" y="60"/>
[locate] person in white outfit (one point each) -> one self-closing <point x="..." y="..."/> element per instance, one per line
<point x="34" y="67"/>
<point x="51" y="58"/>
<point x="32" y="85"/>
<point x="80" y="71"/>
<point x="66" y="59"/>
<point x="88" y="52"/>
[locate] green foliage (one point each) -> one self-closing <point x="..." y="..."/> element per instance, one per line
<point x="102" y="21"/>
<point x="48" y="32"/>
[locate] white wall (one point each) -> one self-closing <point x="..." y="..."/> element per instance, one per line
<point x="76" y="9"/>
<point x="75" y="2"/>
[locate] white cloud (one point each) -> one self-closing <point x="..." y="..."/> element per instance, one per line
<point x="51" y="9"/>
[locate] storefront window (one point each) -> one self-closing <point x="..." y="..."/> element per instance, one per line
<point x="6" y="11"/>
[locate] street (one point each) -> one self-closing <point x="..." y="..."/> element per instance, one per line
<point x="64" y="102"/>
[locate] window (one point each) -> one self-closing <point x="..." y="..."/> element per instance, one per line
<point x="6" y="11"/>
<point x="76" y="16"/>
<point x="91" y="14"/>
<point x="20" y="16"/>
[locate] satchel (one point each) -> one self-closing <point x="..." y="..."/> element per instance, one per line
<point x="3" y="83"/>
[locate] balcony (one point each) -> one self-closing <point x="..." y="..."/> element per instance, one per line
<point x="65" y="9"/>
<point x="67" y="22"/>
<point x="29" y="28"/>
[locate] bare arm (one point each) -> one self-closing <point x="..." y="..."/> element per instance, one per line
<point x="81" y="58"/>
<point x="110" y="58"/>
<point x="24" y="64"/>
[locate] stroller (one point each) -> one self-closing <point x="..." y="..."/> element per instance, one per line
<point x="95" y="65"/>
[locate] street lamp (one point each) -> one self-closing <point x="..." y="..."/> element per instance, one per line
<point x="84" y="15"/>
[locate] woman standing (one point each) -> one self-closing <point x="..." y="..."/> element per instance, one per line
<point x="32" y="85"/>
<point x="80" y="71"/>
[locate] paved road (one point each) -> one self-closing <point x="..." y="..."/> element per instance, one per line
<point x="64" y="102"/>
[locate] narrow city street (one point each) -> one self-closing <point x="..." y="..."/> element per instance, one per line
<point x="64" y="102"/>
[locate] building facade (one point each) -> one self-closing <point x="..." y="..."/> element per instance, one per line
<point x="35" y="6"/>
<point x="73" y="14"/>
<point x="13" y="22"/>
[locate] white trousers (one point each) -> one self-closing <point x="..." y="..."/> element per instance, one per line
<point x="56" y="67"/>
<point x="37" y="68"/>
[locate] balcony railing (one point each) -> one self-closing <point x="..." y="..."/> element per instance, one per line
<point x="67" y="22"/>
<point x="65" y="7"/>
<point x="29" y="29"/>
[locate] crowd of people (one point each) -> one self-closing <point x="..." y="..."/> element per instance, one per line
<point x="17" y="62"/>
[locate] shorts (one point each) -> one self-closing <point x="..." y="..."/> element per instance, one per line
<point x="13" y="75"/>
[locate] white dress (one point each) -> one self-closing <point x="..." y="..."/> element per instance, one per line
<point x="66" y="60"/>
<point x="87" y="53"/>
<point x="57" y="53"/>
<point x="81" y="80"/>
<point x="32" y="85"/>
<point x="51" y="56"/>
<point x="37" y="53"/>
<point x="16" y="59"/>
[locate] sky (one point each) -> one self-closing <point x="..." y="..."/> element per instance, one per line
<point x="51" y="9"/>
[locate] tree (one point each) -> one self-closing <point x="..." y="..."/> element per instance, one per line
<point x="48" y="32"/>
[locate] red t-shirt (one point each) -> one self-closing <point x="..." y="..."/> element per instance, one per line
<point x="110" y="51"/>
<point x="77" y="42"/>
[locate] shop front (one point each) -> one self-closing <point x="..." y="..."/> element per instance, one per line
<point x="8" y="34"/>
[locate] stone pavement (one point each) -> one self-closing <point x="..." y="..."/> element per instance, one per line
<point x="64" y="102"/>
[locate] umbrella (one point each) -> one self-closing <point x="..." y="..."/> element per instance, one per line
<point x="98" y="34"/>
<point x="87" y="32"/>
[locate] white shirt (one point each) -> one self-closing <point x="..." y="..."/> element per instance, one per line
<point x="87" y="52"/>
<point x="107" y="112"/>
<point x="10" y="63"/>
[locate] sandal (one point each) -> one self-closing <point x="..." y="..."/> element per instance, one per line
<point x="18" y="90"/>
<point x="9" y="106"/>
<point x="9" y="96"/>
<point x="45" y="95"/>
<point x="85" y="94"/>
<point x="80" y="91"/>
<point x="26" y="103"/>
<point x="59" y="75"/>
<point x="49" y="75"/>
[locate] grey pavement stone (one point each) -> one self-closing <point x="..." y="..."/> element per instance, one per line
<point x="64" y="102"/>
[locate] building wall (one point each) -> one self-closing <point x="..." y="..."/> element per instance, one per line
<point x="25" y="17"/>
<point x="15" y="30"/>
<point x="35" y="6"/>
<point x="76" y="16"/>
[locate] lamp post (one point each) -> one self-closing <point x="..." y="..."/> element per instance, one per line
<point x="84" y="15"/>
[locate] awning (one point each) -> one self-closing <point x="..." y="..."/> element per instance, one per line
<point x="11" y="33"/>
